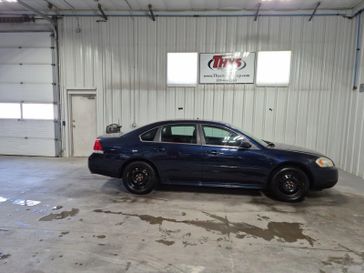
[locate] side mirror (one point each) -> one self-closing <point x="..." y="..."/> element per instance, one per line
<point x="245" y="144"/>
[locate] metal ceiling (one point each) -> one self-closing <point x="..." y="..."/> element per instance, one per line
<point x="179" y="5"/>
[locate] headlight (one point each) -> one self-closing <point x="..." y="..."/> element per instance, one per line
<point x="324" y="162"/>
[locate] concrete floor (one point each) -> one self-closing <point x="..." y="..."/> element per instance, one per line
<point x="88" y="223"/>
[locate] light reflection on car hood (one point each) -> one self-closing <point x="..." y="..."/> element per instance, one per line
<point x="291" y="148"/>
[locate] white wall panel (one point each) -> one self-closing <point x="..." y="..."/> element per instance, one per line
<point x="353" y="148"/>
<point x="26" y="128"/>
<point x="16" y="92"/>
<point x="125" y="60"/>
<point x="30" y="146"/>
<point x="14" y="73"/>
<point x="29" y="39"/>
<point x="25" y="55"/>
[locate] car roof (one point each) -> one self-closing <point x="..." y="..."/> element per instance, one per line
<point x="176" y="121"/>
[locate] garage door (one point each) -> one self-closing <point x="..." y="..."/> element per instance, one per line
<point x="28" y="98"/>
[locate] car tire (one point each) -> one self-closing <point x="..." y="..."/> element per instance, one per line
<point x="139" y="177"/>
<point x="289" y="184"/>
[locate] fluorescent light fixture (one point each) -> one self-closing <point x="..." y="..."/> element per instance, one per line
<point x="38" y="111"/>
<point x="273" y="68"/>
<point x="8" y="1"/>
<point x="10" y="110"/>
<point x="182" y="68"/>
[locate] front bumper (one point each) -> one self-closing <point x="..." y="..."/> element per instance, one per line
<point x="104" y="165"/>
<point x="325" y="178"/>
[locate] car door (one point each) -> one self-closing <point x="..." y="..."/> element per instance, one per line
<point x="225" y="162"/>
<point x="179" y="154"/>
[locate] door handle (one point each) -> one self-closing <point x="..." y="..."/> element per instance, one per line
<point x="160" y="149"/>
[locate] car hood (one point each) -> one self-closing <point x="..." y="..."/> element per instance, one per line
<point x="291" y="148"/>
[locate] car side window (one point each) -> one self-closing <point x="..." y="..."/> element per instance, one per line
<point x="220" y="136"/>
<point x="149" y="135"/>
<point x="180" y="133"/>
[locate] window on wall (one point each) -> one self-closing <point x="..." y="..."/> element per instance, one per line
<point x="10" y="110"/>
<point x="27" y="111"/>
<point x="273" y="68"/>
<point x="182" y="68"/>
<point x="38" y="111"/>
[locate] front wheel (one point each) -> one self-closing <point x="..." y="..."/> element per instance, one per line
<point x="289" y="184"/>
<point x="139" y="177"/>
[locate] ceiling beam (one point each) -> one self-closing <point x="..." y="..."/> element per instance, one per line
<point x="37" y="12"/>
<point x="314" y="11"/>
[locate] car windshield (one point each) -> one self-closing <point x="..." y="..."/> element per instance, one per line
<point x="256" y="139"/>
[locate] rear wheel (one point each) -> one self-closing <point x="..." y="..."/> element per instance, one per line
<point x="289" y="184"/>
<point x="139" y="177"/>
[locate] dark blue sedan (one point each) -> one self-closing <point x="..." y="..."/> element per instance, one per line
<point x="208" y="153"/>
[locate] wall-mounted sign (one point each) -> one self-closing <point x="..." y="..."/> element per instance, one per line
<point x="226" y="68"/>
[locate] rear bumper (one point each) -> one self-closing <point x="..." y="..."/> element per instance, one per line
<point x="101" y="164"/>
<point x="325" y="178"/>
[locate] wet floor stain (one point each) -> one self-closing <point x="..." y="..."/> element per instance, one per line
<point x="262" y="217"/>
<point x="127" y="266"/>
<point x="63" y="233"/>
<point x="282" y="231"/>
<point x="351" y="259"/>
<point x="61" y="215"/>
<point x="346" y="260"/>
<point x="165" y="242"/>
<point x="168" y="232"/>
<point x="132" y="199"/>
<point x="99" y="236"/>
<point x="186" y="244"/>
<point x="4" y="256"/>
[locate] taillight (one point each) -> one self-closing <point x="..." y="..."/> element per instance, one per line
<point x="98" y="147"/>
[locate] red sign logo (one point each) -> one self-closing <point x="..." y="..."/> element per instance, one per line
<point x="222" y="61"/>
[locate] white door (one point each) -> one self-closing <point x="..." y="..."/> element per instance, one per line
<point x="83" y="124"/>
<point x="29" y="124"/>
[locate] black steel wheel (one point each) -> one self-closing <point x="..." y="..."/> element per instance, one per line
<point x="139" y="177"/>
<point x="289" y="184"/>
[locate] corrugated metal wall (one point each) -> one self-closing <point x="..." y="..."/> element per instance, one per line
<point x="353" y="158"/>
<point x="125" y="60"/>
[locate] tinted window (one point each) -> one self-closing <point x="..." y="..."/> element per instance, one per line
<point x="179" y="133"/>
<point x="220" y="136"/>
<point x="149" y="136"/>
